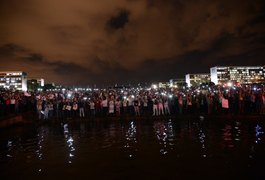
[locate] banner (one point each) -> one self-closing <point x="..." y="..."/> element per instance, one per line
<point x="68" y="108"/>
<point x="225" y="103"/>
<point x="27" y="94"/>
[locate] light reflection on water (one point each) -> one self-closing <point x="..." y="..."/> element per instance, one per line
<point x="39" y="152"/>
<point x="227" y="137"/>
<point x="165" y="136"/>
<point x="161" y="136"/>
<point x="9" y="149"/>
<point x="237" y="131"/>
<point x="70" y="143"/>
<point x="41" y="134"/>
<point x="202" y="138"/>
<point x="259" y="132"/>
<point x="258" y="141"/>
<point x="47" y="144"/>
<point x="131" y="140"/>
<point x="171" y="134"/>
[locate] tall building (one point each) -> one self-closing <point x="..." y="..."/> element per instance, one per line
<point x="34" y="84"/>
<point x="40" y="81"/>
<point x="237" y="74"/>
<point x="197" y="79"/>
<point x="13" y="80"/>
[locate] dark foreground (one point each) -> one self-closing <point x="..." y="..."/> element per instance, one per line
<point x="151" y="148"/>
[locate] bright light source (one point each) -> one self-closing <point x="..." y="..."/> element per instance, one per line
<point x="154" y="86"/>
<point x="133" y="96"/>
<point x="69" y="95"/>
<point x="170" y="96"/>
<point x="229" y="84"/>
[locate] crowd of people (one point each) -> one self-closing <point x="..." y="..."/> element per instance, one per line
<point x="65" y="104"/>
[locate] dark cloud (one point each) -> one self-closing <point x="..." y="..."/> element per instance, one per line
<point x="128" y="41"/>
<point x="118" y="21"/>
<point x="10" y="50"/>
<point x="35" y="57"/>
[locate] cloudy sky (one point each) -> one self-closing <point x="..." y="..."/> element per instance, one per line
<point x="79" y="42"/>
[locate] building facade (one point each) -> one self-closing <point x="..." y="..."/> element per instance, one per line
<point x="13" y="80"/>
<point x="163" y="84"/>
<point x="33" y="84"/>
<point x="40" y="81"/>
<point x="237" y="74"/>
<point x="197" y="79"/>
<point x="177" y="83"/>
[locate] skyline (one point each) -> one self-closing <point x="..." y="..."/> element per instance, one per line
<point x="90" y="42"/>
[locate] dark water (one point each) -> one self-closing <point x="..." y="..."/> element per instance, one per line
<point x="135" y="149"/>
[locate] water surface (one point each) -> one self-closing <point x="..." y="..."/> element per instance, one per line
<point x="135" y="149"/>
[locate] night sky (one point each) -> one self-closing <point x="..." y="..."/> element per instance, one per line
<point x="79" y="42"/>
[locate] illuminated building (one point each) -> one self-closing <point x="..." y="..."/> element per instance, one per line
<point x="34" y="84"/>
<point x="197" y="79"/>
<point x="40" y="81"/>
<point x="163" y="84"/>
<point x="177" y="83"/>
<point x="237" y="74"/>
<point x="13" y="80"/>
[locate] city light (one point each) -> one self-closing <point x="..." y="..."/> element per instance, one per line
<point x="154" y="86"/>
<point x="134" y="89"/>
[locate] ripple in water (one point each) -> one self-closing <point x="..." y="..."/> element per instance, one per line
<point x="70" y="143"/>
<point x="131" y="140"/>
<point x="165" y="136"/>
<point x="232" y="145"/>
<point x="227" y="136"/>
<point x="9" y="149"/>
<point x="259" y="133"/>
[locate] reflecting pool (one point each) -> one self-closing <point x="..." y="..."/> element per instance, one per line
<point x="135" y="149"/>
